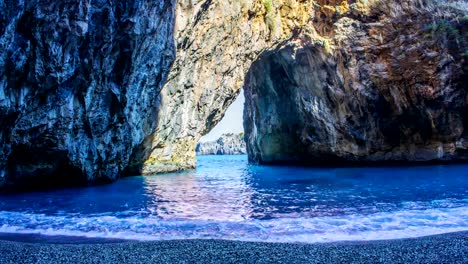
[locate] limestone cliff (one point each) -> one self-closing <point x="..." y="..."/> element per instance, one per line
<point x="390" y="85"/>
<point x="93" y="90"/>
<point x="217" y="41"/>
<point x="227" y="144"/>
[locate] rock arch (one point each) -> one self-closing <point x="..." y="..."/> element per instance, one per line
<point x="129" y="88"/>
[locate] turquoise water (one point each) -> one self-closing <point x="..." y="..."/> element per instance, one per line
<point x="226" y="198"/>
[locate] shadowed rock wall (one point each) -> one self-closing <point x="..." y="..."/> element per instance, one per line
<point x="389" y="86"/>
<point x="79" y="86"/>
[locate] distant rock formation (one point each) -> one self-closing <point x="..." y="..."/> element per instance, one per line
<point x="227" y="144"/>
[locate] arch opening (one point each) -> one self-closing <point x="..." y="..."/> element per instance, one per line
<point x="226" y="137"/>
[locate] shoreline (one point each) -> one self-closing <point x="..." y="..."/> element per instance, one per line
<point x="443" y="248"/>
<point x="35" y="238"/>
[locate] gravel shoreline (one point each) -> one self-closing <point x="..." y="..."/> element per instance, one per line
<point x="444" y="248"/>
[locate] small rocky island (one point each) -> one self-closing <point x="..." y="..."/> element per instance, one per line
<point x="227" y="144"/>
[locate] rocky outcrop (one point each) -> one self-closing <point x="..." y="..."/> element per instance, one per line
<point x="217" y="41"/>
<point x="80" y="85"/>
<point x="227" y="144"/>
<point x="390" y="85"/>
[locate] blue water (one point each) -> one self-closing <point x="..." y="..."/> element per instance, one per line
<point x="226" y="198"/>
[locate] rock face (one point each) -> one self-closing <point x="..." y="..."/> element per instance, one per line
<point x="79" y="86"/>
<point x="93" y="90"/>
<point x="227" y="144"/>
<point x="390" y="85"/>
<point x="217" y="41"/>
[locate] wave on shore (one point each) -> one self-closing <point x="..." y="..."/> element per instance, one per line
<point x="391" y="225"/>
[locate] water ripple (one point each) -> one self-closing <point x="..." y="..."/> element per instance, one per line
<point x="228" y="199"/>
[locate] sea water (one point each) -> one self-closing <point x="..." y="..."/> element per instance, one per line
<point x="226" y="198"/>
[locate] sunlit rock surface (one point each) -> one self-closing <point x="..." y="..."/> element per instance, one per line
<point x="217" y="41"/>
<point x="227" y="144"/>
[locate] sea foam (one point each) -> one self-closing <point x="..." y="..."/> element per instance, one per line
<point x="390" y="225"/>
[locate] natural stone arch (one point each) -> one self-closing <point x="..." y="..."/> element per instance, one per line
<point x="217" y="41"/>
<point x="204" y="80"/>
<point x="108" y="94"/>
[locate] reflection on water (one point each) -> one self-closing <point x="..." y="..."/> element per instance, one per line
<point x="227" y="198"/>
<point x="188" y="196"/>
<point x="225" y="188"/>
